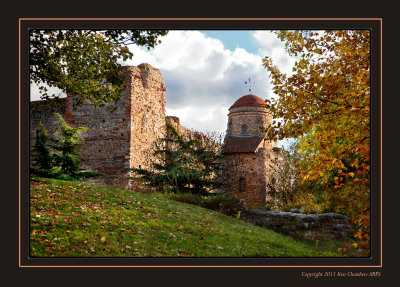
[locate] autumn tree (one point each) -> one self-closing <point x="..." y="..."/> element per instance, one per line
<point x="326" y="101"/>
<point x="84" y="62"/>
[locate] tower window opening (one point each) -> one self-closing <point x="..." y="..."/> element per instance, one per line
<point x="244" y="130"/>
<point x="242" y="184"/>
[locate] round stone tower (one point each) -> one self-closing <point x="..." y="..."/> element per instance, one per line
<point x="248" y="117"/>
<point x="247" y="152"/>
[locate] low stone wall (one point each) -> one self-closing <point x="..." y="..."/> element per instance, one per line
<point x="325" y="226"/>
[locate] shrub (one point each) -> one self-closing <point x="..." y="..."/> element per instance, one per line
<point x="67" y="147"/>
<point x="224" y="204"/>
<point x="218" y="202"/>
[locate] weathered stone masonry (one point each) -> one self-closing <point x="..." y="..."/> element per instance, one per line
<point x="124" y="138"/>
<point x="118" y="140"/>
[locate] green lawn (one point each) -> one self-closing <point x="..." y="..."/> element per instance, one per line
<point x="75" y="219"/>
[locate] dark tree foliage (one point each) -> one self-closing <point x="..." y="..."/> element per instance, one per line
<point x="67" y="148"/>
<point x="41" y="150"/>
<point x="181" y="165"/>
<point x="84" y="62"/>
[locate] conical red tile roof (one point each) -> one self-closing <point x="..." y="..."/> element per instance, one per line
<point x="249" y="101"/>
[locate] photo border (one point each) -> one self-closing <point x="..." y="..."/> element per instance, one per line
<point x="374" y="24"/>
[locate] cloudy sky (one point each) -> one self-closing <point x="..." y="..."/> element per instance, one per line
<point x="205" y="72"/>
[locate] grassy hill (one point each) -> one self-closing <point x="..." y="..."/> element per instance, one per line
<point x="75" y="219"/>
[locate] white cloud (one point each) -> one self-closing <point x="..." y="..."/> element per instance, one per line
<point x="203" y="79"/>
<point x="200" y="119"/>
<point x="35" y="94"/>
<point x="272" y="47"/>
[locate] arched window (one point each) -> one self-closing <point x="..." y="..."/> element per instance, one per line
<point x="242" y="184"/>
<point x="244" y="130"/>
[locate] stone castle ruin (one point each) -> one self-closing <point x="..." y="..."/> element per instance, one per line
<point x="116" y="140"/>
<point x="125" y="138"/>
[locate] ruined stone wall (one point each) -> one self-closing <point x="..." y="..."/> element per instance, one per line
<point x="280" y="175"/>
<point x="184" y="132"/>
<point x="213" y="143"/>
<point x="147" y="113"/>
<point x="44" y="111"/>
<point x="106" y="143"/>
<point x="325" y="226"/>
<point x="119" y="139"/>
<point x="125" y="137"/>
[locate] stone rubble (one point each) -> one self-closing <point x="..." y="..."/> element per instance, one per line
<point x="324" y="226"/>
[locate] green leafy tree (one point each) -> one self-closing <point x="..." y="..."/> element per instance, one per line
<point x="66" y="147"/>
<point x="42" y="154"/>
<point x="84" y="62"/>
<point x="182" y="165"/>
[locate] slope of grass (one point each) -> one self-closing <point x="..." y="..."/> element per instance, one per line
<point x="75" y="219"/>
